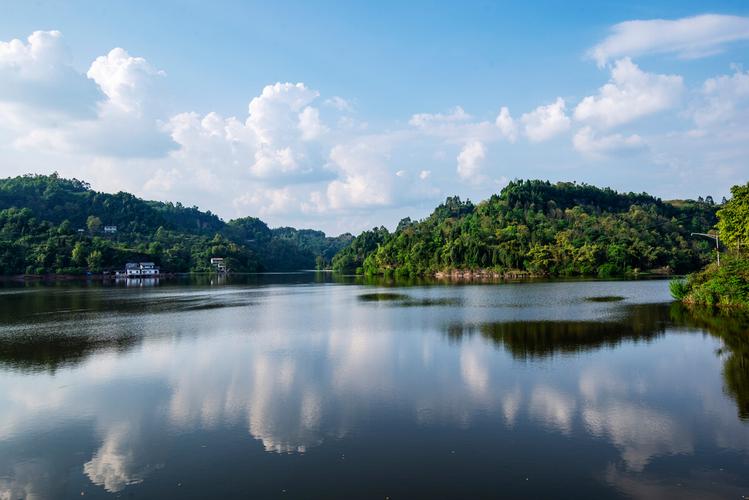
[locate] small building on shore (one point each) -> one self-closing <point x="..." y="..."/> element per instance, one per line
<point x="219" y="264"/>
<point x="110" y="229"/>
<point x="140" y="270"/>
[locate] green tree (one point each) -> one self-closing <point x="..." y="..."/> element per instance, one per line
<point x="733" y="218"/>
<point x="94" y="261"/>
<point x="78" y="255"/>
<point x="93" y="224"/>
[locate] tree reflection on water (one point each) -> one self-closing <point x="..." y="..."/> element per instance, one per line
<point x="733" y="330"/>
<point x="536" y="340"/>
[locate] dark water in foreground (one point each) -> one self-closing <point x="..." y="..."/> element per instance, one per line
<point x="289" y="388"/>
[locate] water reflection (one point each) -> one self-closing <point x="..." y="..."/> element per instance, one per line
<point x="403" y="300"/>
<point x="50" y="352"/>
<point x="138" y="282"/>
<point x="539" y="339"/>
<point x="50" y="331"/>
<point x="116" y="463"/>
<point x="638" y="323"/>
<point x="605" y="298"/>
<point x="135" y="390"/>
<point x="733" y="331"/>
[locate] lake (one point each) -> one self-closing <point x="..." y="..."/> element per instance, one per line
<point x="305" y="386"/>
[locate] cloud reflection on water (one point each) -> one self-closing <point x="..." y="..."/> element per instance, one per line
<point x="293" y="385"/>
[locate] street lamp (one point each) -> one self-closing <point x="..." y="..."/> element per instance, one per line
<point x="717" y="242"/>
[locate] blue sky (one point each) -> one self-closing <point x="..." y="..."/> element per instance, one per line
<point x="368" y="112"/>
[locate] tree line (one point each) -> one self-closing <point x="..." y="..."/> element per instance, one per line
<point x="49" y="224"/>
<point x="725" y="285"/>
<point x="544" y="229"/>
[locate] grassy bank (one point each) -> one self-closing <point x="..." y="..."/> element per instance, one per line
<point x="724" y="286"/>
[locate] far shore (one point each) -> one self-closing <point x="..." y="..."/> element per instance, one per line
<point x="457" y="275"/>
<point x="77" y="277"/>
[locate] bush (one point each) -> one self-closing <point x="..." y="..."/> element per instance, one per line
<point x="679" y="288"/>
<point x="607" y="270"/>
<point x="724" y="286"/>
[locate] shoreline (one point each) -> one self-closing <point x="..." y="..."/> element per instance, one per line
<point x="457" y="275"/>
<point x="78" y="277"/>
<point x="517" y="274"/>
<point x="484" y="274"/>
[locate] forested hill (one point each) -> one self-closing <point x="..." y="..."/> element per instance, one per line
<point x="54" y="225"/>
<point x="543" y="229"/>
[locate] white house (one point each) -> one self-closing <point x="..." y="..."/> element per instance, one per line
<point x="138" y="269"/>
<point x="219" y="264"/>
<point x="110" y="229"/>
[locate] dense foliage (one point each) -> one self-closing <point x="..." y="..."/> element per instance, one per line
<point x="725" y="285"/>
<point x="351" y="258"/>
<point x="543" y="229"/>
<point x="54" y="225"/>
<point x="733" y="219"/>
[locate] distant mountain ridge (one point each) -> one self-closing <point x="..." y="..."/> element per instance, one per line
<point x="534" y="227"/>
<point x="53" y="225"/>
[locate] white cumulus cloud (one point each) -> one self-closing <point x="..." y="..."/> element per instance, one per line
<point x="279" y="119"/>
<point x="545" y="122"/>
<point x="310" y="125"/>
<point x="364" y="179"/>
<point x="38" y="83"/>
<point x="268" y="201"/>
<point x="725" y="99"/>
<point x="126" y="80"/>
<point x="456" y="127"/>
<point x="49" y="106"/>
<point x="587" y="142"/>
<point x="470" y="160"/>
<point x="278" y="141"/>
<point x="369" y="173"/>
<point x="506" y="124"/>
<point x="630" y="94"/>
<point x="130" y="121"/>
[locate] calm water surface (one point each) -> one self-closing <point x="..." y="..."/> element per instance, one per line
<point x="296" y="387"/>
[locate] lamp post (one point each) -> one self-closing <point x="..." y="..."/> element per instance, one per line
<point x="717" y="242"/>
